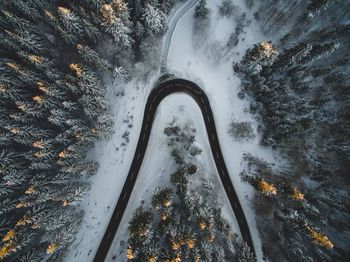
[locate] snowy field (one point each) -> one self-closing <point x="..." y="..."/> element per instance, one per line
<point x="211" y="70"/>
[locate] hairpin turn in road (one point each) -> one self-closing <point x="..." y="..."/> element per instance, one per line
<point x="156" y="96"/>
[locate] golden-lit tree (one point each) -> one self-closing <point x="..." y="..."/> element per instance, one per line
<point x="6" y="249"/>
<point x="130" y="253"/>
<point x="268" y="49"/>
<point x="319" y="238"/>
<point x="9" y="235"/>
<point x="119" y="6"/>
<point x="107" y="14"/>
<point x="266" y="188"/>
<point x="296" y="194"/>
<point x="51" y="248"/>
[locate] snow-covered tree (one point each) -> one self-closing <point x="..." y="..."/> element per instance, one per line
<point x="244" y="253"/>
<point x="154" y="19"/>
<point x="166" y="5"/>
<point x="26" y="9"/>
<point x="115" y="19"/>
<point x="120" y="32"/>
<point x="201" y="9"/>
<point x="92" y="57"/>
<point x="263" y="54"/>
<point x="316" y="6"/>
<point x="226" y="8"/>
<point x="70" y="22"/>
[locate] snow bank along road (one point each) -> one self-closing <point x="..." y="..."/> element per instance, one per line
<point x="153" y="101"/>
<point x="174" y="19"/>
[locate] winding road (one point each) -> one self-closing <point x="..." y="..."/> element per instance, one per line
<point x="173" y="21"/>
<point x="153" y="101"/>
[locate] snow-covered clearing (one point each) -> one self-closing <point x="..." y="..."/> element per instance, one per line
<point x="201" y="65"/>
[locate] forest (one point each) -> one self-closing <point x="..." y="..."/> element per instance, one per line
<point x="60" y="58"/>
<point x="56" y="59"/>
<point x="298" y="85"/>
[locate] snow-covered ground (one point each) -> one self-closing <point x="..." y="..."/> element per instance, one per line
<point x="201" y="65"/>
<point x="158" y="164"/>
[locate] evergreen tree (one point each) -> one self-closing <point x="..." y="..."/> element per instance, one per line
<point x="70" y="23"/>
<point x="120" y="32"/>
<point x="244" y="253"/>
<point x="154" y="19"/>
<point x="259" y="56"/>
<point x="315" y="7"/>
<point x="115" y="17"/>
<point x="92" y="57"/>
<point x="166" y="5"/>
<point x="226" y="8"/>
<point x="26" y="9"/>
<point x="319" y="51"/>
<point x="201" y="9"/>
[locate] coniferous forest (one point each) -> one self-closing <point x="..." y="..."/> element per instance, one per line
<point x="60" y="60"/>
<point x="298" y="84"/>
<point x="55" y="57"/>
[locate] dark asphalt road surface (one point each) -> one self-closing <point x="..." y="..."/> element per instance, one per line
<point x="154" y="99"/>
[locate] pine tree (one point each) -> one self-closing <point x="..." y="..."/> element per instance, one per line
<point x="201" y="10"/>
<point x="23" y="40"/>
<point x="90" y="25"/>
<point x="120" y="32"/>
<point x="319" y="238"/>
<point x="26" y="9"/>
<point x="226" y="8"/>
<point x="316" y="6"/>
<point x="154" y="19"/>
<point x="92" y="57"/>
<point x="71" y="28"/>
<point x="263" y="54"/>
<point x="319" y="51"/>
<point x="140" y="224"/>
<point x="244" y="253"/>
<point x="166" y="5"/>
<point x="115" y="19"/>
<point x="292" y="56"/>
<point x="162" y="198"/>
<point x="139" y="30"/>
<point x="9" y="20"/>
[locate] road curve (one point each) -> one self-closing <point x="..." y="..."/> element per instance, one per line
<point x="156" y="96"/>
<point x="174" y="19"/>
